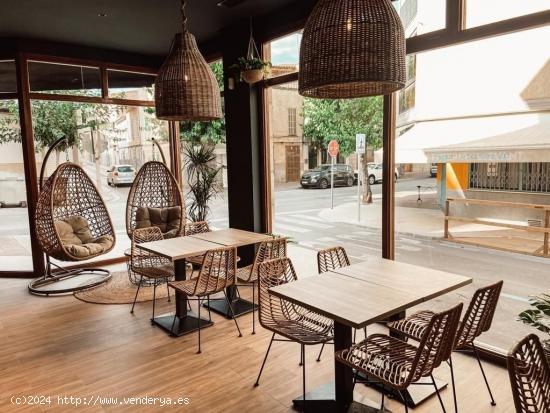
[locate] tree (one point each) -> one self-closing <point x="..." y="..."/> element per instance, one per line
<point x="341" y="120"/>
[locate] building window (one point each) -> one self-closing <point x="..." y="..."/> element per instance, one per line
<point x="524" y="177"/>
<point x="407" y="95"/>
<point x="291" y="121"/>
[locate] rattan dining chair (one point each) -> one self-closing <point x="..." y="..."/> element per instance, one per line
<point x="397" y="364"/>
<point x="146" y="264"/>
<point x="248" y="276"/>
<point x="331" y="259"/>
<point x="290" y="321"/>
<point x="477" y="320"/>
<point x="217" y="272"/>
<point x="193" y="228"/>
<point x="529" y="372"/>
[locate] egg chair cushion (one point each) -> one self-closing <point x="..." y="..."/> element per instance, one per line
<point x="168" y="219"/>
<point x="89" y="249"/>
<point x="76" y="237"/>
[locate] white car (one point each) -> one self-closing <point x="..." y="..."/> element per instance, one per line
<point x="121" y="175"/>
<point x="375" y="173"/>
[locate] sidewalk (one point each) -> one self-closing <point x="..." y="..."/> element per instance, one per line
<point x="420" y="222"/>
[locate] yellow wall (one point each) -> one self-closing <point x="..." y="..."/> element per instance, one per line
<point x="457" y="176"/>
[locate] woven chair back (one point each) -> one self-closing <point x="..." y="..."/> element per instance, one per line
<point x="437" y="344"/>
<point x="529" y="373"/>
<point x="218" y="271"/>
<point x="144" y="259"/>
<point x="332" y="258"/>
<point x="271" y="274"/>
<point x="479" y="315"/>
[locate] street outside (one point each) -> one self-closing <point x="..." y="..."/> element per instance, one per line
<point x="305" y="216"/>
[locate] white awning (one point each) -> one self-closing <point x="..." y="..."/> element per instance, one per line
<point x="506" y="138"/>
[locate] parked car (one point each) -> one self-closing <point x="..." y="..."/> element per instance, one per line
<point x="320" y="176"/>
<point x="375" y="173"/>
<point x="121" y="175"/>
<point x="433" y="170"/>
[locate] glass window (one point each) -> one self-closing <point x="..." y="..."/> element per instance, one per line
<point x="284" y="54"/>
<point x="110" y="142"/>
<point x="421" y="16"/>
<point x="204" y="166"/>
<point x="8" y="79"/>
<point x="62" y="79"/>
<point x="485" y="120"/>
<point x="480" y="12"/>
<point x="131" y="85"/>
<point x="15" y="245"/>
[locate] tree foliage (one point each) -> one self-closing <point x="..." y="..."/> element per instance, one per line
<point x="53" y="120"/>
<point x="341" y="120"/>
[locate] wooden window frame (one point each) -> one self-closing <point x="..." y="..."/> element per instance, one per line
<point x="25" y="96"/>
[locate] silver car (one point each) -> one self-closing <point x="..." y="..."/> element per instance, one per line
<point x="121" y="175"/>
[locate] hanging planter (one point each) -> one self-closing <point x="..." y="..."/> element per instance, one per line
<point x="252" y="68"/>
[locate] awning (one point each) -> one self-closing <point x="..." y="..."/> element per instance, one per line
<point x="505" y="138"/>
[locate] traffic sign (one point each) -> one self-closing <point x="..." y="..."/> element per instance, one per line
<point x="333" y="148"/>
<point x="360" y="143"/>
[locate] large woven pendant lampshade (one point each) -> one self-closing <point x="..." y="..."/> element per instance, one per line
<point x="351" y="49"/>
<point x="186" y="88"/>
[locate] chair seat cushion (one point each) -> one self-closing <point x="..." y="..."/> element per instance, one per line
<point x="168" y="219"/>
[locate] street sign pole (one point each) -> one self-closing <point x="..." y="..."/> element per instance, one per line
<point x="333" y="149"/>
<point x="360" y="149"/>
<point x="332" y="183"/>
<point x="359" y="181"/>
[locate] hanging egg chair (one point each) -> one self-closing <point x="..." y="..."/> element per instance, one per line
<point x="155" y="200"/>
<point x="72" y="225"/>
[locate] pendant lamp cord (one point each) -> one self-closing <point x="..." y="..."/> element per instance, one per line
<point x="183" y="16"/>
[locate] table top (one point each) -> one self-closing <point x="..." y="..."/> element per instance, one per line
<point x="232" y="237"/>
<point x="361" y="299"/>
<point x="179" y="247"/>
<point x="425" y="282"/>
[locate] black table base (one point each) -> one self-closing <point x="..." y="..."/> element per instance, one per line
<point x="415" y="394"/>
<point x="181" y="325"/>
<point x="238" y="305"/>
<point x="323" y="400"/>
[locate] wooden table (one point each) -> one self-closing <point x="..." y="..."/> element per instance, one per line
<point x="355" y="297"/>
<point x="232" y="238"/>
<point x="177" y="250"/>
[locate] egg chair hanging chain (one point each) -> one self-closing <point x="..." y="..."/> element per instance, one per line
<point x="252" y="48"/>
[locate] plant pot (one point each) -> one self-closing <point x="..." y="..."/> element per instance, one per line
<point x="252" y="76"/>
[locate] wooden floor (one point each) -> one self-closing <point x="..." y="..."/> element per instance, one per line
<point x="62" y="346"/>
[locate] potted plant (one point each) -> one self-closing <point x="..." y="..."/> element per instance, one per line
<point x="539" y="317"/>
<point x="252" y="69"/>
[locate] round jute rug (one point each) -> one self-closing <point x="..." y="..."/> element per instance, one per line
<point x="119" y="290"/>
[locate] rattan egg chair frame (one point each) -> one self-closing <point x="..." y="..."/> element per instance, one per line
<point x="155" y="187"/>
<point x="67" y="193"/>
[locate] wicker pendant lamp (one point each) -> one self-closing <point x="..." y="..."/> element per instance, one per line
<point x="351" y="49"/>
<point x="186" y="88"/>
